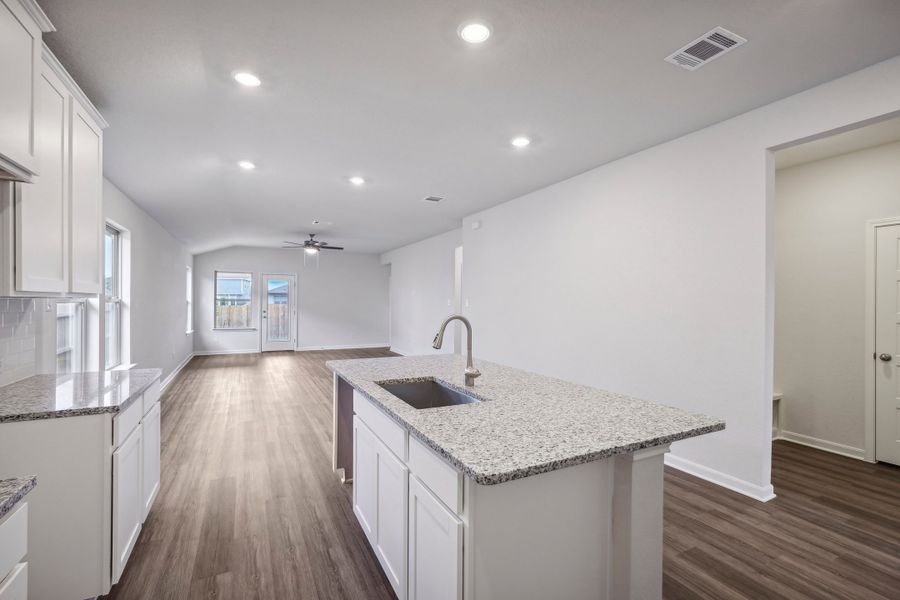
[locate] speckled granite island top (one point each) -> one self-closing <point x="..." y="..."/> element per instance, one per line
<point x="12" y="491"/>
<point x="51" y="396"/>
<point x="526" y="423"/>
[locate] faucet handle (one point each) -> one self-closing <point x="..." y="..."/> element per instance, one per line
<point x="471" y="374"/>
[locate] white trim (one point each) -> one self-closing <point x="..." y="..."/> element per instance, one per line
<point x="171" y="377"/>
<point x="400" y="352"/>
<point x="868" y="360"/>
<point x="819" y="444"/>
<point x="37" y="13"/>
<point x="341" y="347"/>
<point x="73" y="87"/>
<point x="763" y="493"/>
<point x="217" y="352"/>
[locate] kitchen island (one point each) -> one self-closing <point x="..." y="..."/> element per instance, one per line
<point x="534" y="488"/>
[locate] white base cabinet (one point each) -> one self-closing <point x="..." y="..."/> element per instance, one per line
<point x="592" y="531"/>
<point x="128" y="509"/>
<point x="380" y="503"/>
<point x="435" y="547"/>
<point x="80" y="543"/>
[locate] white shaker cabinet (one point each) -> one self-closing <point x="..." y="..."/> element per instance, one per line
<point x="380" y="502"/>
<point x="150" y="442"/>
<point x="20" y="52"/>
<point x="86" y="206"/>
<point x="435" y="547"/>
<point x="51" y="230"/>
<point x="42" y="207"/>
<point x="126" y="501"/>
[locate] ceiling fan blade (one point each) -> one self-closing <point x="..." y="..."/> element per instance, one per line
<point x="292" y="243"/>
<point x="292" y="247"/>
<point x="331" y="247"/>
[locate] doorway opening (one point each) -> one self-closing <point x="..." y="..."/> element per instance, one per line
<point x="837" y="293"/>
<point x="278" y="313"/>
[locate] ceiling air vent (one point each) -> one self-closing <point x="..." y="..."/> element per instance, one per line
<point x="432" y="198"/>
<point x="705" y="48"/>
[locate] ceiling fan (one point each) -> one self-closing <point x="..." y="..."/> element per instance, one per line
<point x="311" y="246"/>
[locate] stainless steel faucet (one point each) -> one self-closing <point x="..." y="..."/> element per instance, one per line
<point x="471" y="372"/>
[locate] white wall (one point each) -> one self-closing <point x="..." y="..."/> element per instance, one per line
<point x="821" y="210"/>
<point x="157" y="306"/>
<point x="421" y="292"/>
<point x="660" y="284"/>
<point x="342" y="304"/>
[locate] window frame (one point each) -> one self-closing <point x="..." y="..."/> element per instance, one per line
<point x="116" y="297"/>
<point x="189" y="299"/>
<point x="252" y="276"/>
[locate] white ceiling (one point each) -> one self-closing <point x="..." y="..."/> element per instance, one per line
<point x="386" y="90"/>
<point x="869" y="136"/>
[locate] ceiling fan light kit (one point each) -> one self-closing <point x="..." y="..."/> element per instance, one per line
<point x="311" y="247"/>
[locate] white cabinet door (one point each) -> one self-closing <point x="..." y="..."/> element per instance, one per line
<point x="393" y="482"/>
<point x="127" y="504"/>
<point x="150" y="458"/>
<point x="20" y="51"/>
<point x="365" y="478"/>
<point x="435" y="547"/>
<point x="86" y="205"/>
<point x="42" y="207"/>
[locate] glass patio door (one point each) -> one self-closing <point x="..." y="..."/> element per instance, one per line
<point x="279" y="312"/>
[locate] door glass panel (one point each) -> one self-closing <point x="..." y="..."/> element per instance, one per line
<point x="278" y="328"/>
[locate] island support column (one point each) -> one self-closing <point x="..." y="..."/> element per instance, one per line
<point x="342" y="436"/>
<point x="637" y="524"/>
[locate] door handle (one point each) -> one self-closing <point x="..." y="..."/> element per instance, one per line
<point x="885" y="357"/>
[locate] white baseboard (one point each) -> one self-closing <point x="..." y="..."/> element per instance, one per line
<point x="341" y="347"/>
<point x="175" y="372"/>
<point x="763" y="493"/>
<point x="400" y="351"/>
<point x="218" y="352"/>
<point x="833" y="447"/>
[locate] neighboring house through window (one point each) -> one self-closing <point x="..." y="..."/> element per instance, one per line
<point x="234" y="299"/>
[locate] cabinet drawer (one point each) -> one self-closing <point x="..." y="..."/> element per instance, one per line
<point x="151" y="396"/>
<point x="126" y="421"/>
<point x="390" y="433"/>
<point x="443" y="480"/>
<point x="15" y="586"/>
<point x="13" y="539"/>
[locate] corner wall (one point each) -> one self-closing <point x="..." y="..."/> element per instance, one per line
<point x="421" y="292"/>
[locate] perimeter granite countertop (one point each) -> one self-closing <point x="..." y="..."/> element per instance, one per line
<point x="526" y="423"/>
<point x="51" y="396"/>
<point x="12" y="491"/>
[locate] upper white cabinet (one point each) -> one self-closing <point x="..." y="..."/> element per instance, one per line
<point x="21" y="25"/>
<point x="86" y="205"/>
<point x="42" y="209"/>
<point x="57" y="219"/>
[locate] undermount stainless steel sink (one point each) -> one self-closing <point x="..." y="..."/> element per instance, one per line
<point x="428" y="394"/>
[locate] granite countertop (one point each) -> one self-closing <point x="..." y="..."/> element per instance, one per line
<point x="12" y="491"/>
<point x="527" y="423"/>
<point x="51" y="396"/>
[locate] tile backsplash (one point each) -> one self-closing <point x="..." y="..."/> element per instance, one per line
<point x="24" y="335"/>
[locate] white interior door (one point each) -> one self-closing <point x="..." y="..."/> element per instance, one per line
<point x="279" y="312"/>
<point x="887" y="332"/>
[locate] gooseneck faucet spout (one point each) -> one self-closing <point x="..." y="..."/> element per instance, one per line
<point x="471" y="372"/>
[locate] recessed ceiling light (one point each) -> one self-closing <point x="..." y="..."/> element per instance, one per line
<point x="520" y="141"/>
<point x="248" y="79"/>
<point x="246" y="165"/>
<point x="356" y="180"/>
<point x="474" y="32"/>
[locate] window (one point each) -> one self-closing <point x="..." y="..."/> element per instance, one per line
<point x="189" y="296"/>
<point x="112" y="296"/>
<point x="69" y="337"/>
<point x="233" y="300"/>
